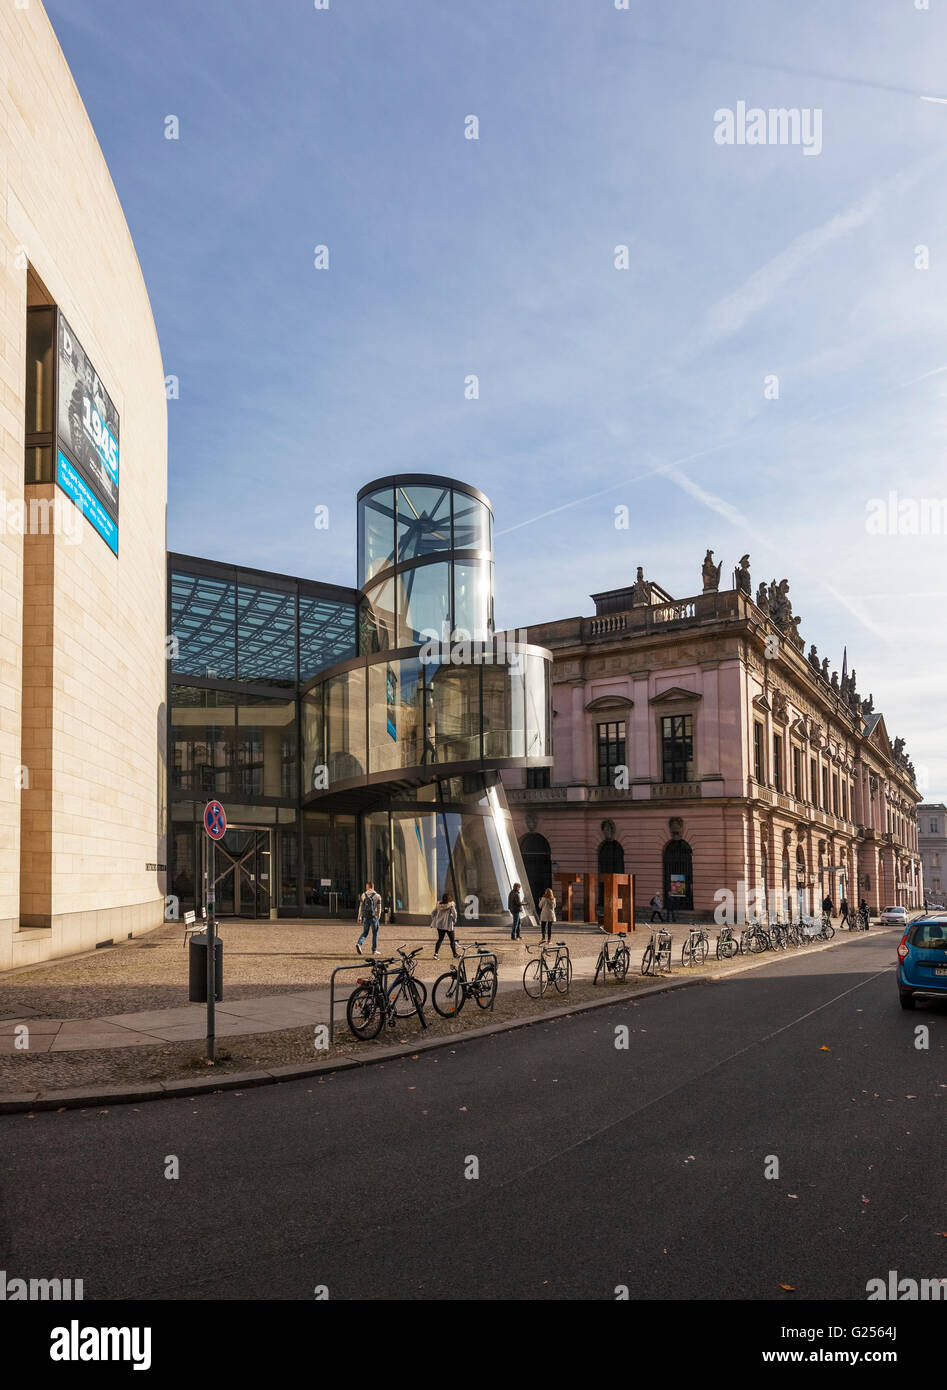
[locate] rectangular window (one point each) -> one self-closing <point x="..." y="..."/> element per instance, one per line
<point x="825" y="789"/>
<point x="537" y="777"/>
<point x="759" y="761"/>
<point x="835" y="793"/>
<point x="777" y="762"/>
<point x="677" y="748"/>
<point x="845" y="801"/>
<point x="813" y="781"/>
<point x="611" y="752"/>
<point x="797" y="773"/>
<point x="40" y="380"/>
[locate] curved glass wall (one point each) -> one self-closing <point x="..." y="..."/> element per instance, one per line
<point x="408" y="713"/>
<point x="446" y="841"/>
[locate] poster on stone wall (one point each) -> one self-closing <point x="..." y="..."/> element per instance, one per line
<point x="88" y="433"/>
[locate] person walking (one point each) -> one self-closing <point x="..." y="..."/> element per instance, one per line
<point x="443" y="921"/>
<point x="843" y="912"/>
<point x="369" y="912"/>
<point x="828" y="906"/>
<point x="657" y="908"/>
<point x="547" y="915"/>
<point x="864" y="913"/>
<point x="515" y="904"/>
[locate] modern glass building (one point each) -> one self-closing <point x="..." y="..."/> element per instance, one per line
<point x="355" y="733"/>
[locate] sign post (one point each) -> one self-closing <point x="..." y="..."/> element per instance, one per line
<point x="215" y="825"/>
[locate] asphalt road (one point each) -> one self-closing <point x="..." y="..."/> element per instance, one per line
<point x="598" y="1166"/>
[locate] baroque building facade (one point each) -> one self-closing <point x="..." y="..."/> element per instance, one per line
<point x="932" y="839"/>
<point x="698" y="746"/>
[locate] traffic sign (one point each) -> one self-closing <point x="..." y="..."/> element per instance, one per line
<point x="215" y="820"/>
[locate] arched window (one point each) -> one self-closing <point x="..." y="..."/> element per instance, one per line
<point x="802" y="891"/>
<point x="678" y="875"/>
<point x="537" y="861"/>
<point x="611" y="857"/>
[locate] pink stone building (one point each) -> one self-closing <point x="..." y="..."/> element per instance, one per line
<point x="698" y="747"/>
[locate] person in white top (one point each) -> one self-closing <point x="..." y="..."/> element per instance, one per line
<point x="547" y="914"/>
<point x="443" y="921"/>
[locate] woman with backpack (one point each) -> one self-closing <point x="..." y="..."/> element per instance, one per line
<point x="443" y="921"/>
<point x="547" y="914"/>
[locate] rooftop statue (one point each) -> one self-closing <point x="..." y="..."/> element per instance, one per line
<point x="813" y="658"/>
<point x="762" y="598"/>
<point x="640" y="592"/>
<point x="710" y="573"/>
<point x="742" y="575"/>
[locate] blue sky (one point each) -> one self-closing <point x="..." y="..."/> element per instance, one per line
<point x="598" y="387"/>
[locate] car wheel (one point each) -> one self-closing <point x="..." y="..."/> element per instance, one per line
<point x="906" y="999"/>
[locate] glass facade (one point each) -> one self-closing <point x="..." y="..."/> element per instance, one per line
<point x="416" y="713"/>
<point x="225" y="630"/>
<point x="331" y="734"/>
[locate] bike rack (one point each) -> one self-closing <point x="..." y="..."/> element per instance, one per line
<point x="363" y="965"/>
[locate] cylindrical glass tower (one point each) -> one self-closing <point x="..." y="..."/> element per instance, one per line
<point x="413" y="732"/>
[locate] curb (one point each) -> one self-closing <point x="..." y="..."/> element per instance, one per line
<point x="77" y="1098"/>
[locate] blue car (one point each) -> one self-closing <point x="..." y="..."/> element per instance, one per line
<point x="922" y="960"/>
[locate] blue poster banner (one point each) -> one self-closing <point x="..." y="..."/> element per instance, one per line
<point x="90" y="506"/>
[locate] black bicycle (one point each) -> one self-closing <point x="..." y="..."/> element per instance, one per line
<point x="402" y="997"/>
<point x="695" y="948"/>
<point x="727" y="944"/>
<point x="657" y="953"/>
<point x="615" y="962"/>
<point x="375" y="1001"/>
<point x="551" y="967"/>
<point x="452" y="989"/>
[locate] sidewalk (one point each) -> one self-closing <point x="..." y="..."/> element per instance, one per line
<point x="275" y="1012"/>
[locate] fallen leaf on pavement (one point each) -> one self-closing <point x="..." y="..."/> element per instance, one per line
<point x="791" y="1287"/>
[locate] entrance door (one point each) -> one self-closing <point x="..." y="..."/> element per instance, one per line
<point x="242" y="872"/>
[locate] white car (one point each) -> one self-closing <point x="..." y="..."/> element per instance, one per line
<point x="894" y="917"/>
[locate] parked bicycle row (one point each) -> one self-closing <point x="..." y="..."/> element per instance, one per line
<point x="752" y="939"/>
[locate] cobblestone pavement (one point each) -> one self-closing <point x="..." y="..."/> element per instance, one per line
<point x="265" y="1018"/>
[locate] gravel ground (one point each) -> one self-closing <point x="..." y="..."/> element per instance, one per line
<point x="43" y="1072"/>
<point x="270" y="958"/>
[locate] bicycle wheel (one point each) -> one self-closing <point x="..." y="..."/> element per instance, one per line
<point x="829" y="932"/>
<point x="745" y="938"/>
<point x="364" y="1013"/>
<point x="448" y="994"/>
<point x="700" y="950"/>
<point x="647" y="960"/>
<point x="535" y="979"/>
<point x="564" y="975"/>
<point x="402" y="996"/>
<point x="687" y="953"/>
<point x="486" y="987"/>
<point x="622" y="962"/>
<point x="601" y="967"/>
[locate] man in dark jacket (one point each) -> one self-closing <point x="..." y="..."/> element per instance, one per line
<point x="515" y="904"/>
<point x="369" y="911"/>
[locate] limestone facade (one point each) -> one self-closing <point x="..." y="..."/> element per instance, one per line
<point x="82" y="639"/>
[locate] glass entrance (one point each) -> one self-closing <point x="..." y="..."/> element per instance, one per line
<point x="242" y="873"/>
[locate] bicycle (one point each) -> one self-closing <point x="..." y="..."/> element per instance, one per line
<point x="695" y="948"/>
<point x="727" y="944"/>
<point x="404" y="1004"/>
<point x="539" y="974"/>
<point x="758" y="939"/>
<point x="779" y="936"/>
<point x="657" y="953"/>
<point x="617" y="962"/>
<point x="452" y="989"/>
<point x="372" y="1003"/>
<point x="828" y="931"/>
